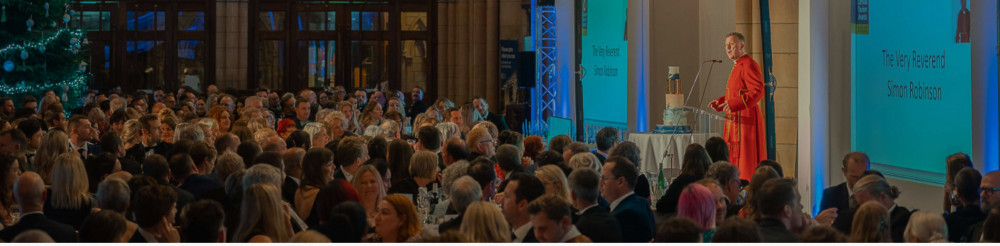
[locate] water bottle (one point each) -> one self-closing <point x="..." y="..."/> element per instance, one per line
<point x="423" y="203"/>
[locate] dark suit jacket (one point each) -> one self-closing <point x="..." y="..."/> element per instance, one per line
<point x="635" y="218"/>
<point x="92" y="151"/>
<point x="407" y="186"/>
<point x="961" y="220"/>
<point x="338" y="174"/>
<point x="138" y="152"/>
<point x="452" y="224"/>
<point x="59" y="232"/>
<point x="773" y="231"/>
<point x="497" y="120"/>
<point x="415" y="109"/>
<point x="898" y="218"/>
<point x="836" y="197"/>
<point x="288" y="190"/>
<point x="130" y="166"/>
<point x="668" y="203"/>
<point x="599" y="157"/>
<point x="528" y="238"/>
<point x="597" y="224"/>
<point x="204" y="187"/>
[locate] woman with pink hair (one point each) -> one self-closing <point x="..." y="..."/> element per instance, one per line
<point x="698" y="204"/>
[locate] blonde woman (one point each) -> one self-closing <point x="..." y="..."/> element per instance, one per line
<point x="871" y="224"/>
<point x="257" y="124"/>
<point x="371" y="189"/>
<point x="372" y="116"/>
<point x="350" y="111"/>
<point x="397" y="105"/>
<point x="317" y="133"/>
<point x="69" y="197"/>
<point x="926" y="227"/>
<point x="54" y="143"/>
<point x="469" y="117"/>
<point x="263" y="217"/>
<point x="131" y="132"/>
<point x="555" y="182"/>
<point x="165" y="113"/>
<point x="338" y="125"/>
<point x="442" y="106"/>
<point x="484" y="223"/>
<point x="99" y="119"/>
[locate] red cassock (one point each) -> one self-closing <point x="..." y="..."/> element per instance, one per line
<point x="744" y="130"/>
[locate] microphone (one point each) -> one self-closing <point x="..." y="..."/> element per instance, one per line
<point x="714" y="61"/>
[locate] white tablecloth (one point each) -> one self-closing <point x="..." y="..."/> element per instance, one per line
<point x="664" y="150"/>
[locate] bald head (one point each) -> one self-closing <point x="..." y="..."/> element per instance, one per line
<point x="30" y="192"/>
<point x="274" y="144"/>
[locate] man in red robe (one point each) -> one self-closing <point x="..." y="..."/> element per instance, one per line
<point x="744" y="130"/>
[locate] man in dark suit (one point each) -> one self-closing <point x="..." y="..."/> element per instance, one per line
<point x="417" y="105"/>
<point x="200" y="186"/>
<point x="484" y="109"/>
<point x="464" y="191"/>
<point x="632" y="212"/>
<point x="782" y="211"/>
<point x="29" y="191"/>
<point x="839" y="199"/>
<point x="521" y="190"/>
<point x="968" y="213"/>
<point x="854" y="166"/>
<point x="875" y="188"/>
<point x="606" y="139"/>
<point x="150" y="140"/>
<point x="593" y="220"/>
<point x="157" y="167"/>
<point x="351" y="152"/>
<point x="80" y="134"/>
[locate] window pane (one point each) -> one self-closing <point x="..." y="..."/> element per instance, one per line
<point x="272" y="21"/>
<point x="414" y="63"/>
<point x="130" y="21"/>
<point x="368" y="63"/>
<point x="271" y="65"/>
<point x="161" y="21"/>
<point x="414" y="21"/>
<point x="145" y="63"/>
<point x="368" y="21"/>
<point x="191" y="62"/>
<point x="91" y="21"/>
<point x="191" y="21"/>
<point x="320" y="57"/>
<point x="321" y="21"/>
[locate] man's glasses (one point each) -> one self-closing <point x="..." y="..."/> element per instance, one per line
<point x="989" y="190"/>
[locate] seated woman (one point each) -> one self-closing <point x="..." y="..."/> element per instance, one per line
<point x="263" y="217"/>
<point x="423" y="171"/>
<point x="871" y="224"/>
<point x="397" y="221"/>
<point x="317" y="171"/>
<point x="555" y="182"/>
<point x="9" y="171"/>
<point x="696" y="163"/>
<point x="698" y="204"/>
<point x="926" y="227"/>
<point x="483" y="222"/>
<point x="69" y="197"/>
<point x="336" y="192"/>
<point x="368" y="183"/>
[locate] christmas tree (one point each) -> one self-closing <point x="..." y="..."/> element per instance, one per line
<point x="40" y="51"/>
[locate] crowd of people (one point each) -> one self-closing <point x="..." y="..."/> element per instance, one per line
<point x="329" y="166"/>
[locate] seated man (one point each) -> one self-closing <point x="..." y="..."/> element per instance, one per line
<point x="593" y="220"/>
<point x="968" y="213"/>
<point x="30" y="193"/>
<point x="464" y="191"/>
<point x="841" y="195"/>
<point x="782" y="211"/>
<point x="632" y="212"/>
<point x="550" y="217"/>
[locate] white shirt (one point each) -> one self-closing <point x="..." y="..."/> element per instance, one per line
<point x="348" y="176"/>
<point x="75" y="148"/>
<point x="29" y="213"/>
<point x="585" y="209"/>
<point x="521" y="232"/>
<point x="615" y="203"/>
<point x="296" y="180"/>
<point x="150" y="238"/>
<point x="572" y="233"/>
